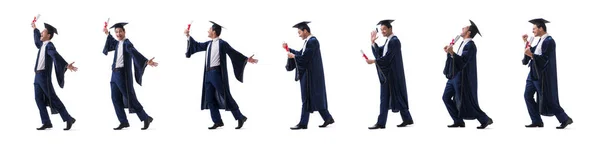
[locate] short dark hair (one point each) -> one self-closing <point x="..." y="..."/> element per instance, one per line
<point x="473" y="31"/>
<point x="541" y="25"/>
<point x="122" y="28"/>
<point x="302" y="28"/>
<point x="51" y="35"/>
<point x="217" y="29"/>
<point x="388" y="25"/>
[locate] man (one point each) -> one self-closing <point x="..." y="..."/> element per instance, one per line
<point x="542" y="78"/>
<point x="460" y="94"/>
<point x="309" y="70"/>
<point x="44" y="90"/>
<point x="121" y="82"/>
<point x="216" y="93"/>
<point x="390" y="68"/>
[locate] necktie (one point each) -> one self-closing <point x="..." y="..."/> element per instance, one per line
<point x="37" y="59"/>
<point x="209" y="54"/>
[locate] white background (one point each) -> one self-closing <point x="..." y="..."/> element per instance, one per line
<point x="270" y="97"/>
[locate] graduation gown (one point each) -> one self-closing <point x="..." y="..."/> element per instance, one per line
<point x="52" y="57"/>
<point x="131" y="59"/>
<point x="238" y="60"/>
<point x="543" y="69"/>
<point x="390" y="70"/>
<point x="309" y="70"/>
<point x="463" y="71"/>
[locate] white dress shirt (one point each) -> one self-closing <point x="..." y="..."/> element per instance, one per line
<point x="215" y="60"/>
<point x="42" y="57"/>
<point x="305" y="42"/>
<point x="385" y="48"/>
<point x="462" y="46"/>
<point x="538" y="48"/>
<point x="120" y="63"/>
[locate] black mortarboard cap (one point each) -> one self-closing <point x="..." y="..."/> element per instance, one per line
<point x="387" y="23"/>
<point x="302" y="24"/>
<point x="539" y="21"/>
<point x="119" y="25"/>
<point x="50" y="29"/>
<point x="216" y="25"/>
<point x="474" y="28"/>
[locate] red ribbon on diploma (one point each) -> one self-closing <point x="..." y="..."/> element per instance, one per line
<point x="35" y="18"/>
<point x="363" y="54"/>
<point x="189" y="25"/>
<point x="287" y="49"/>
<point x="528" y="42"/>
<point x="106" y="23"/>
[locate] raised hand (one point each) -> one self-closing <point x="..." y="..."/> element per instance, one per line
<point x="373" y="37"/>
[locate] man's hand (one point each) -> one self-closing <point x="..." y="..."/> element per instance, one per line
<point x="525" y="38"/>
<point x="252" y="60"/>
<point x="370" y="61"/>
<point x="71" y="67"/>
<point x="152" y="63"/>
<point x="290" y="55"/>
<point x="528" y="52"/>
<point x="373" y="37"/>
<point x="33" y="25"/>
<point x="106" y="31"/>
<point x="186" y="32"/>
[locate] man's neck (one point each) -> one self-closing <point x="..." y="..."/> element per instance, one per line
<point x="45" y="41"/>
<point x="390" y="35"/>
<point x="542" y="34"/>
<point x="305" y="38"/>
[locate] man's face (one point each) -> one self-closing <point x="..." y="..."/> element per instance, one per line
<point x="385" y="31"/>
<point x="302" y="33"/>
<point x="211" y="33"/>
<point x="465" y="32"/>
<point x="537" y="31"/>
<point x="120" y="33"/>
<point x="45" y="35"/>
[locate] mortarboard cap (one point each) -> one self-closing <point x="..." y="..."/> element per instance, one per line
<point x="473" y="28"/>
<point x="119" y="25"/>
<point x="50" y="29"/>
<point x="387" y="23"/>
<point x="216" y="25"/>
<point x="302" y="24"/>
<point x="539" y="21"/>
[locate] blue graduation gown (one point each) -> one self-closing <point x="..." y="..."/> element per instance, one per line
<point x="543" y="69"/>
<point x="309" y="70"/>
<point x="238" y="60"/>
<point x="390" y="69"/>
<point x="52" y="57"/>
<point x="130" y="55"/>
<point x="462" y="70"/>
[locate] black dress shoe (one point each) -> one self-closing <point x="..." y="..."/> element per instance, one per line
<point x="216" y="125"/>
<point x="405" y="123"/>
<point x="534" y="125"/>
<point x="489" y="122"/>
<point x="147" y="122"/>
<point x="69" y="124"/>
<point x="45" y="126"/>
<point x="565" y="124"/>
<point x="241" y="122"/>
<point x="376" y="126"/>
<point x="297" y="127"/>
<point x="457" y="124"/>
<point x="121" y="126"/>
<point x="326" y="123"/>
